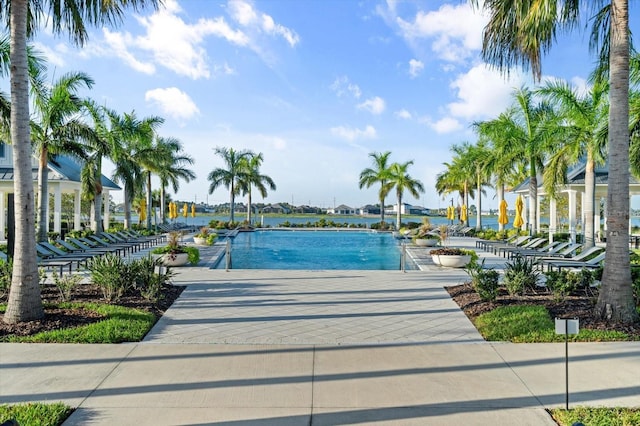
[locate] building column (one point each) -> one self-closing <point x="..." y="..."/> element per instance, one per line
<point x="105" y="209"/>
<point x="525" y="213"/>
<point x="553" y="218"/>
<point x="3" y="216"/>
<point x="57" y="209"/>
<point x="572" y="215"/>
<point x="76" y="210"/>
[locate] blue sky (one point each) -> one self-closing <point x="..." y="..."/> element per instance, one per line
<point x="313" y="85"/>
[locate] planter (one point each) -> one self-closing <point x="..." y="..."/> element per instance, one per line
<point x="451" y="260"/>
<point x="176" y="259"/>
<point x="426" y="242"/>
<point x="200" y="241"/>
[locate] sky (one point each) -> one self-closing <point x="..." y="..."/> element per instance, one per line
<point x="315" y="86"/>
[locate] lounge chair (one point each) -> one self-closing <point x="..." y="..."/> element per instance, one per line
<point x="531" y="244"/>
<point x="568" y="263"/>
<point x="50" y="252"/>
<point x="45" y="263"/>
<point x="583" y="256"/>
<point x="93" y="249"/>
<point x="548" y="250"/>
<point x="481" y="244"/>
<point x="493" y="248"/>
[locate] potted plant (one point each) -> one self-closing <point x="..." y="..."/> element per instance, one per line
<point x="205" y="237"/>
<point x="176" y="254"/>
<point x="426" y="240"/>
<point x="452" y="257"/>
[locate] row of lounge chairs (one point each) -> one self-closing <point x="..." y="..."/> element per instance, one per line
<point x="555" y="255"/>
<point x="64" y="254"/>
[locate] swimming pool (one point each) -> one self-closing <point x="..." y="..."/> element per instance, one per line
<point x="313" y="250"/>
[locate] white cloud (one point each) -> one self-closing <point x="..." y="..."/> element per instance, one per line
<point x="342" y="86"/>
<point x="444" y="125"/>
<point x="244" y="13"/>
<point x="581" y="86"/>
<point x="351" y="134"/>
<point x="415" y="67"/>
<point x="455" y="30"/>
<point x="118" y="46"/>
<point x="375" y="105"/>
<point x="404" y="114"/>
<point x="483" y="92"/>
<point x="53" y="56"/>
<point x="173" y="102"/>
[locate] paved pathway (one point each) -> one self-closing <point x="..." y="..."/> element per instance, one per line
<point x="317" y="348"/>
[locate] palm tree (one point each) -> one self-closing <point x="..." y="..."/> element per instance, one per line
<point x="379" y="173"/>
<point x="459" y="175"/>
<point x="230" y="175"/>
<point x="400" y="179"/>
<point x="135" y="137"/>
<point x="583" y="120"/>
<point x="519" y="35"/>
<point x="58" y="129"/>
<point x="250" y="177"/>
<point x="524" y="136"/>
<point x="172" y="169"/>
<point x="163" y="153"/>
<point x="22" y="18"/>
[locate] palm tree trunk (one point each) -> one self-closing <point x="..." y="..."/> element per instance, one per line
<point x="127" y="208"/>
<point x="148" y="224"/>
<point x="249" y="207"/>
<point x="43" y="194"/>
<point x="381" y="210"/>
<point x="399" y="215"/>
<point x="533" y="203"/>
<point x="479" y="209"/>
<point x="25" y="302"/>
<point x="97" y="202"/>
<point x="232" y="200"/>
<point x="589" y="201"/>
<point x="162" y="203"/>
<point x="615" y="301"/>
<point x="500" y="198"/>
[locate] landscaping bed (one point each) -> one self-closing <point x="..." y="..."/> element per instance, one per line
<point x="573" y="306"/>
<point x="57" y="318"/>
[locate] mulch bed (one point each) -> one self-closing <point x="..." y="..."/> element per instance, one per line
<point x="575" y="306"/>
<point x="56" y="319"/>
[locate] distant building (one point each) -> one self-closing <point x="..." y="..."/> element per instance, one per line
<point x="275" y="208"/>
<point x="369" y="209"/>
<point x="342" y="210"/>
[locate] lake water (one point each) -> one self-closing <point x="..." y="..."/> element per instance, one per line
<point x="314" y="250"/>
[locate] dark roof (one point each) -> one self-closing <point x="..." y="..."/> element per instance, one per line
<point x="61" y="168"/>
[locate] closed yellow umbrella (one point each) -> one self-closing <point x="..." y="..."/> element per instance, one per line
<point x="143" y="210"/>
<point x="518" y="221"/>
<point x="193" y="209"/>
<point x="450" y="213"/>
<point x="503" y="218"/>
<point x="185" y="210"/>
<point x="175" y="210"/>
<point x="463" y="213"/>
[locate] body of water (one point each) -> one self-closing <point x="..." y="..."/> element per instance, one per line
<point x="314" y="250"/>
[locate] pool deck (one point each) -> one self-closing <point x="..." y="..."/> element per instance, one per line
<point x="270" y="347"/>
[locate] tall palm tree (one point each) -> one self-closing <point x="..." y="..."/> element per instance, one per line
<point x="251" y="177"/>
<point x="400" y="180"/>
<point x="135" y="136"/>
<point x="23" y="18"/>
<point x="583" y="119"/>
<point x="524" y="135"/>
<point x="230" y="175"/>
<point x="173" y="168"/>
<point x="57" y="129"/>
<point x="378" y="173"/>
<point x="163" y="153"/>
<point x="519" y="35"/>
<point x="460" y="174"/>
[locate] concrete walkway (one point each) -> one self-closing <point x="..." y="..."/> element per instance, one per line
<point x="317" y="348"/>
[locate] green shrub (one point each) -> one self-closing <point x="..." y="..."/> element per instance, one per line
<point x="520" y="274"/>
<point x="65" y="284"/>
<point x="486" y="284"/>
<point x="112" y="274"/>
<point x="6" y="270"/>
<point x="36" y="413"/>
<point x="148" y="282"/>
<point x="564" y="282"/>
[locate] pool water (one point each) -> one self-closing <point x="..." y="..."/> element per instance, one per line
<point x="313" y="250"/>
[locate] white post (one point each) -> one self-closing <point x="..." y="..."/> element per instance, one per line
<point x="538" y="213"/>
<point x="3" y="215"/>
<point x="572" y="215"/>
<point x="553" y="218"/>
<point x="582" y="215"/>
<point x="57" y="209"/>
<point x="525" y="214"/>
<point x="76" y="209"/>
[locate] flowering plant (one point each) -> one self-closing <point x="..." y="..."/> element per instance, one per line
<point x="173" y="248"/>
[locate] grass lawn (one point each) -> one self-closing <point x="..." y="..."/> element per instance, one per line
<point x="532" y="324"/>
<point x="35" y="414"/>
<point x="601" y="416"/>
